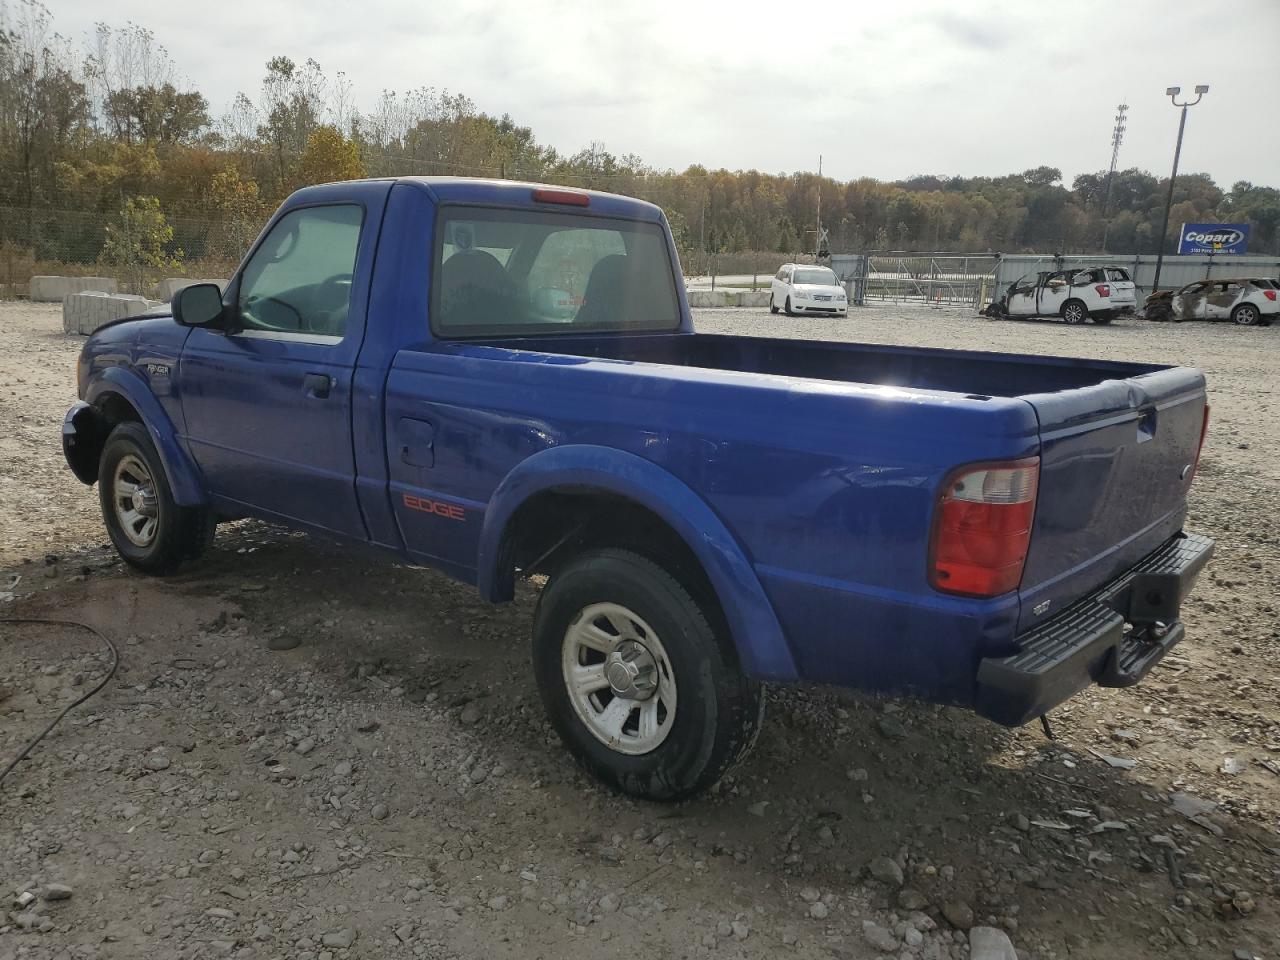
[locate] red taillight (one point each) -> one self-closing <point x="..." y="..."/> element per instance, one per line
<point x="568" y="197"/>
<point x="1104" y="289"/>
<point x="982" y="527"/>
<point x="1204" y="432"/>
<point x="1269" y="294"/>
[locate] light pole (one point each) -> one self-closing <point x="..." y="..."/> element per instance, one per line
<point x="1172" y="94"/>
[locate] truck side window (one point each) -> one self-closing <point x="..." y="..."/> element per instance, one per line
<point x="298" y="281"/>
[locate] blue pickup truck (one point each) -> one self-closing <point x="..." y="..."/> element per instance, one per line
<point x="498" y="379"/>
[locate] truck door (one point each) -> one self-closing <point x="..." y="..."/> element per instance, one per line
<point x="1022" y="298"/>
<point x="268" y="405"/>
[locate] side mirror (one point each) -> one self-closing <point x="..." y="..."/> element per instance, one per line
<point x="199" y="305"/>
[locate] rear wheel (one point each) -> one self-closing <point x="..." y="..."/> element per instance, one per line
<point x="1247" y="315"/>
<point x="1074" y="311"/>
<point x="148" y="530"/>
<point x="643" y="690"/>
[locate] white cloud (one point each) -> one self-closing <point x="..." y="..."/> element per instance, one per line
<point x="882" y="90"/>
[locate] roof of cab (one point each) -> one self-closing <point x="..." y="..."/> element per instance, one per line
<point x="515" y="193"/>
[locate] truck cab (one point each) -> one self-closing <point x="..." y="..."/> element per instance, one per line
<point x="498" y="379"/>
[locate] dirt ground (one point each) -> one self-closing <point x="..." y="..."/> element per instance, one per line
<point x="390" y="788"/>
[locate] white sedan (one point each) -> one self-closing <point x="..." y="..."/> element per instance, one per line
<point x="801" y="288"/>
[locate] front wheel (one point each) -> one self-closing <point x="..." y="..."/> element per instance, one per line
<point x="149" y="531"/>
<point x="787" y="308"/>
<point x="773" y="307"/>
<point x="643" y="690"/>
<point x="1246" y="315"/>
<point x="1074" y="311"/>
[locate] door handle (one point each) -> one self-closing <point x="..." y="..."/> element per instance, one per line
<point x="317" y="385"/>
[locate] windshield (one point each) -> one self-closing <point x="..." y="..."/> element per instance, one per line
<point x="517" y="272"/>
<point x="818" y="275"/>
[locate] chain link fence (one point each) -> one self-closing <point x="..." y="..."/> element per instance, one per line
<point x="46" y="241"/>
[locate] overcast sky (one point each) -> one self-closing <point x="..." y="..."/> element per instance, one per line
<point x="885" y="89"/>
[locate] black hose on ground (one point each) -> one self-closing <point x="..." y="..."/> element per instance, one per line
<point x="115" y="662"/>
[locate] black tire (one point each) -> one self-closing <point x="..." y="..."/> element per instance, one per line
<point x="179" y="533"/>
<point x="717" y="710"/>
<point x="1246" y="315"/>
<point x="773" y="308"/>
<point x="1074" y="311"/>
<point x="786" y="307"/>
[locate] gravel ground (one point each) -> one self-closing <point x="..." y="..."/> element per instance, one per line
<point x="388" y="787"/>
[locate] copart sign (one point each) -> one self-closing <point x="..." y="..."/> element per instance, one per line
<point x="1213" y="238"/>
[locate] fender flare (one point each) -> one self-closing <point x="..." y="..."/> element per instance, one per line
<point x="762" y="647"/>
<point x="185" y="480"/>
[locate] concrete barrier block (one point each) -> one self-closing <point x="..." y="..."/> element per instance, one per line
<point x="168" y="288"/>
<point x="755" y="298"/>
<point x="57" y="289"/>
<point x="83" y="313"/>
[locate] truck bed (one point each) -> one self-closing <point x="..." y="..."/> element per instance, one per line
<point x="1116" y="440"/>
<point x="921" y="368"/>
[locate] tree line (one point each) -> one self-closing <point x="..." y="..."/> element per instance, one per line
<point x="106" y="152"/>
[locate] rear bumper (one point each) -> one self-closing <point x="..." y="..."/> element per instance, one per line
<point x="1112" y="637"/>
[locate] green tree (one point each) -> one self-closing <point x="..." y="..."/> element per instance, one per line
<point x="154" y="114"/>
<point x="140" y="242"/>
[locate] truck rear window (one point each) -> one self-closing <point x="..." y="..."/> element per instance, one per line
<point x="517" y="272"/>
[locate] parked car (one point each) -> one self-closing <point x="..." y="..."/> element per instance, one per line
<point x="710" y="512"/>
<point x="1099" y="294"/>
<point x="1248" y="301"/>
<point x="802" y="288"/>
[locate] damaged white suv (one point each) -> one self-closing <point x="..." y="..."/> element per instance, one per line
<point x="1247" y="301"/>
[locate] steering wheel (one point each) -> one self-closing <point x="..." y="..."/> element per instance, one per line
<point x="252" y="302"/>
<point x="326" y="321"/>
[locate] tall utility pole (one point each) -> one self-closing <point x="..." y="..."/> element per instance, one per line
<point x="817" y="233"/>
<point x="1117" y="137"/>
<point x="1172" y="94"/>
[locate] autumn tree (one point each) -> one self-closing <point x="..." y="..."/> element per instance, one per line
<point x="328" y="158"/>
<point x="237" y="212"/>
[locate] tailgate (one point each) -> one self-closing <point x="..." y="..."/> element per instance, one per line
<point x="1123" y="291"/>
<point x="1115" y="463"/>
